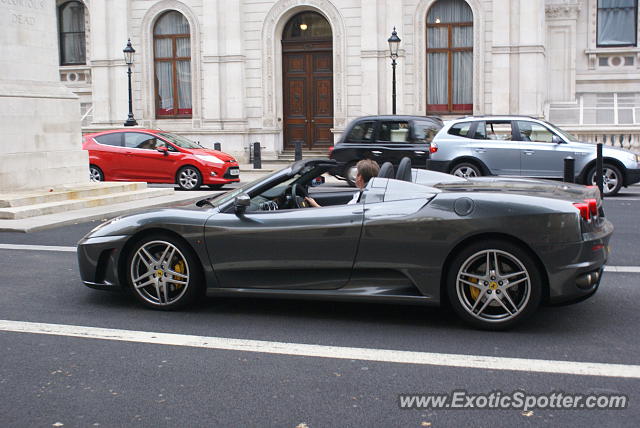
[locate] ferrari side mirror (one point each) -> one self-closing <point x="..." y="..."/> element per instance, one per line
<point x="241" y="202"/>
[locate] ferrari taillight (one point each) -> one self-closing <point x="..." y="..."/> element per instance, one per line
<point x="433" y="147"/>
<point x="593" y="206"/>
<point x="583" y="207"/>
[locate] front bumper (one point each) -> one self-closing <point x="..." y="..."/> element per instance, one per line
<point x="222" y="175"/>
<point x="575" y="270"/>
<point x="98" y="261"/>
<point x="632" y="177"/>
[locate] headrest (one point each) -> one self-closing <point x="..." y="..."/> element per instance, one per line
<point x="404" y="170"/>
<point x="386" y="170"/>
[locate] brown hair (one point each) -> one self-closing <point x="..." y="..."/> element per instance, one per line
<point x="367" y="169"/>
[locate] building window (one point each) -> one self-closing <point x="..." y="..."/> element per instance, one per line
<point x="617" y="23"/>
<point x="71" y="33"/>
<point x="450" y="57"/>
<point x="172" y="57"/>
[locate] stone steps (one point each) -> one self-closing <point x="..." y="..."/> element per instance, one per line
<point x="80" y="199"/>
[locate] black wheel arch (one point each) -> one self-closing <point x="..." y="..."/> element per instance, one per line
<point x="605" y="160"/>
<point x="470" y="159"/>
<point x="444" y="300"/>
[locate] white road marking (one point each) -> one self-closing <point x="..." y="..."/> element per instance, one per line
<point x="336" y="352"/>
<point x="36" y="247"/>
<point x="618" y="269"/>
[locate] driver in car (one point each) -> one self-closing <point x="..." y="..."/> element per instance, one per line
<point x="367" y="169"/>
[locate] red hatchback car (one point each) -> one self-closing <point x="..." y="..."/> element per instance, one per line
<point x="157" y="157"/>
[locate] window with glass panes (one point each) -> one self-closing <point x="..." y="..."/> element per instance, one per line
<point x="71" y="33"/>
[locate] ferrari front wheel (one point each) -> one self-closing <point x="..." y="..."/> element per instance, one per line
<point x="163" y="272"/>
<point x="494" y="285"/>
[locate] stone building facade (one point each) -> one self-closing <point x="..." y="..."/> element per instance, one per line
<point x="242" y="71"/>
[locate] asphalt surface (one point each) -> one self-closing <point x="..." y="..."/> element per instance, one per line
<point x="78" y="382"/>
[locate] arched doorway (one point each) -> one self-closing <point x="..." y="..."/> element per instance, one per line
<point x="450" y="57"/>
<point x="307" y="74"/>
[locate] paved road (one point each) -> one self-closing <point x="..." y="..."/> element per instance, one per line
<point x="82" y="382"/>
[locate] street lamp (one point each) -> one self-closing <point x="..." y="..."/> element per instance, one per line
<point x="394" y="43"/>
<point x="129" y="51"/>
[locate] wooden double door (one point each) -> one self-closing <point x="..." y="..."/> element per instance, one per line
<point x="307" y="94"/>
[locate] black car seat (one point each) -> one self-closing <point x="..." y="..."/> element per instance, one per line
<point x="404" y="170"/>
<point x="386" y="170"/>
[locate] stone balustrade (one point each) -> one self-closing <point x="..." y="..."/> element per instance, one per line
<point x="618" y="136"/>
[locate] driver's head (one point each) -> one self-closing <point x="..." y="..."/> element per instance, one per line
<point x="367" y="169"/>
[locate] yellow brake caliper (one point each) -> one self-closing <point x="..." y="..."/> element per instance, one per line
<point x="475" y="292"/>
<point x="180" y="268"/>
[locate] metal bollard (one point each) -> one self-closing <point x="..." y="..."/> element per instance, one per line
<point x="599" y="168"/>
<point x="298" y="151"/>
<point x="217" y="146"/>
<point x="257" y="158"/>
<point x="569" y="170"/>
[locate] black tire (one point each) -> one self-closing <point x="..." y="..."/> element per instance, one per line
<point x="466" y="170"/>
<point x="612" y="179"/>
<point x="168" y="267"/>
<point x="189" y="178"/>
<point x="494" y="304"/>
<point x="215" y="186"/>
<point x="95" y="173"/>
<point x="349" y="173"/>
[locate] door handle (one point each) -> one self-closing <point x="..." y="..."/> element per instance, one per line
<point x="529" y="152"/>
<point x="306" y="121"/>
<point x="419" y="152"/>
<point x="480" y="150"/>
<point x="376" y="152"/>
<point x="313" y="121"/>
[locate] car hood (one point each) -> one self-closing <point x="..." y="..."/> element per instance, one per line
<point x="209" y="152"/>
<point x="531" y="187"/>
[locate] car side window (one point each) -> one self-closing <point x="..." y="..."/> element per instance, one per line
<point x="362" y="131"/>
<point x="532" y="131"/>
<point x="394" y="132"/>
<point x="110" y="139"/>
<point x="425" y="131"/>
<point x="460" y="129"/>
<point x="137" y="140"/>
<point x="494" y="130"/>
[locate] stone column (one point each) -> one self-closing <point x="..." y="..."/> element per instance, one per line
<point x="41" y="142"/>
<point x="370" y="36"/>
<point x="562" y="22"/>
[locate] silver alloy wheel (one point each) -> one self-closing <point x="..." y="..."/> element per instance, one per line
<point x="465" y="171"/>
<point x="610" y="180"/>
<point x="94" y="174"/>
<point x="188" y="178"/>
<point x="159" y="273"/>
<point x="493" y="286"/>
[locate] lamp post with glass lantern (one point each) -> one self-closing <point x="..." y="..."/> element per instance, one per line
<point x="128" y="59"/>
<point x="394" y="44"/>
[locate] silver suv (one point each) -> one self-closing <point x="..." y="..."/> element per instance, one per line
<point x="528" y="147"/>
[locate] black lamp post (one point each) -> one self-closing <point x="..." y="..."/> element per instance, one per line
<point x="128" y="58"/>
<point x="394" y="43"/>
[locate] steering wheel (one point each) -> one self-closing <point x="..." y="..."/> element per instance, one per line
<point x="297" y="195"/>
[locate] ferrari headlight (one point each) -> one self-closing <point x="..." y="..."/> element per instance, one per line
<point x="209" y="158"/>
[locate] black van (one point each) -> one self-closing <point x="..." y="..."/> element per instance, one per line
<point x="384" y="139"/>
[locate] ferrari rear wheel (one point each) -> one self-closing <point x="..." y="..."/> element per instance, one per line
<point x="494" y="285"/>
<point x="163" y="272"/>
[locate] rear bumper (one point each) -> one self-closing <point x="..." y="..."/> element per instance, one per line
<point x="575" y="270"/>
<point x="439" y="166"/>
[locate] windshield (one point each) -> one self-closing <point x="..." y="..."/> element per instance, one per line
<point x="566" y="135"/>
<point x="179" y="141"/>
<point x="230" y="195"/>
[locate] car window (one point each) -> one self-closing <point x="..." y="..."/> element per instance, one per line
<point x="394" y="132"/>
<point x="425" y="131"/>
<point x="110" y="139"/>
<point x="137" y="140"/>
<point x="180" y="141"/>
<point x="531" y="131"/>
<point x="494" y="130"/>
<point x="361" y="131"/>
<point x="460" y="129"/>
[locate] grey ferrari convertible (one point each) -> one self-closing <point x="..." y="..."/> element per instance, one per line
<point x="493" y="248"/>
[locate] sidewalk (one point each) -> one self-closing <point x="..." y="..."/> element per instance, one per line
<point x="105" y="212"/>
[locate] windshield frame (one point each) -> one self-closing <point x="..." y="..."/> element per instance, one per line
<point x="179" y="141"/>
